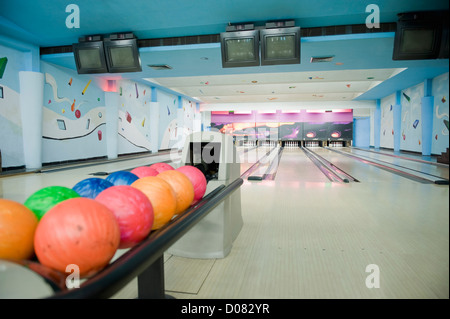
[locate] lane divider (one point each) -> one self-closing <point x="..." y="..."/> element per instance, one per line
<point x="393" y="170"/>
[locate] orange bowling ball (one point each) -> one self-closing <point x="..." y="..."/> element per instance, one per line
<point x="78" y="231"/>
<point x="17" y="227"/>
<point x="182" y="186"/>
<point x="161" y="196"/>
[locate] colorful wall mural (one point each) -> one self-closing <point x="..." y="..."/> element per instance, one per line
<point x="286" y="126"/>
<point x="73" y="116"/>
<point x="11" y="144"/>
<point x="411" y="133"/>
<point x="387" y="122"/>
<point x="440" y="91"/>
<point x="411" y="115"/>
<point x="133" y="117"/>
<point x="168" y="119"/>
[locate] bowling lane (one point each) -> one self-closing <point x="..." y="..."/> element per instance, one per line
<point x="426" y="170"/>
<point x="296" y="166"/>
<point x="362" y="171"/>
<point x="250" y="155"/>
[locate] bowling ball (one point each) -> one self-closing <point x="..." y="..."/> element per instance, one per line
<point x="161" y="167"/>
<point x="91" y="187"/>
<point x="79" y="231"/>
<point x="133" y="211"/>
<point x="121" y="178"/>
<point x="162" y="197"/>
<point x="44" y="199"/>
<point x="197" y="179"/>
<point x="143" y="171"/>
<point x="184" y="191"/>
<point x="17" y="228"/>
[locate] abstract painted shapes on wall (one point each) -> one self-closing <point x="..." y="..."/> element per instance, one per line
<point x="58" y="127"/>
<point x="99" y="134"/>
<point x="61" y="124"/>
<point x="131" y="132"/>
<point x="77" y="114"/>
<point x="439" y="116"/>
<point x="168" y="111"/>
<point x="416" y="122"/>
<point x="3" y="62"/>
<point x="70" y="82"/>
<point x="137" y="91"/>
<point x="49" y="79"/>
<point x="170" y="136"/>
<point x="406" y="97"/>
<point x="128" y="117"/>
<point x="86" y="87"/>
<point x="443" y="100"/>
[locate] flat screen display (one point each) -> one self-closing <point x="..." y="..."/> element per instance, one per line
<point x="280" y="47"/>
<point x="90" y="57"/>
<point x="417" y="40"/>
<point x="240" y="50"/>
<point x="122" y="56"/>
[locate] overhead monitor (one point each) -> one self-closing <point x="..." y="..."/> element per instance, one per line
<point x="122" y="55"/>
<point x="280" y="46"/>
<point x="240" y="48"/>
<point x="418" y="36"/>
<point x="90" y="57"/>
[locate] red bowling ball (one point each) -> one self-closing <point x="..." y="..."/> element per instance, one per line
<point x="161" y="167"/>
<point x="133" y="211"/>
<point x="144" y="171"/>
<point x="197" y="179"/>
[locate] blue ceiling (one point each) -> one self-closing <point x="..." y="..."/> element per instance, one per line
<point x="44" y="24"/>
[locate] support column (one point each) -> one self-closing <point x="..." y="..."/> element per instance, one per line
<point x="112" y="124"/>
<point x="377" y="125"/>
<point x="31" y="104"/>
<point x="427" y="118"/>
<point x="397" y="108"/>
<point x="154" y="121"/>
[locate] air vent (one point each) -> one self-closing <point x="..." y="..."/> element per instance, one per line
<point x="159" y="66"/>
<point x="316" y="59"/>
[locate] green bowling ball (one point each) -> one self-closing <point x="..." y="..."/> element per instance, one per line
<point x="44" y="199"/>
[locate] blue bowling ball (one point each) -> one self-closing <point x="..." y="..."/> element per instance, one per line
<point x="122" y="178"/>
<point x="91" y="187"/>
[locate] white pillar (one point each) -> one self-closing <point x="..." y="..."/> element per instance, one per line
<point x="154" y="126"/>
<point x="31" y="104"/>
<point x="112" y="124"/>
